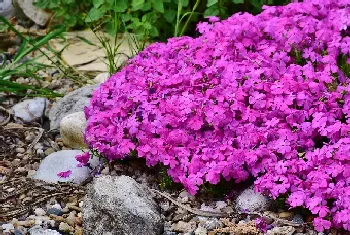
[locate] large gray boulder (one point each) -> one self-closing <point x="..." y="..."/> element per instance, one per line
<point x="118" y="205"/>
<point x="63" y="161"/>
<point x="74" y="101"/>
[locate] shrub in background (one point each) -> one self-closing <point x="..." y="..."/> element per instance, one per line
<point x="156" y="18"/>
<point x="263" y="95"/>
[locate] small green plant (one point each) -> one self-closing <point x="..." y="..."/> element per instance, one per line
<point x="165" y="181"/>
<point x="21" y="65"/>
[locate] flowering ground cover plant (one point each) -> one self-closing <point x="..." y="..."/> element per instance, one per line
<point x="263" y="95"/>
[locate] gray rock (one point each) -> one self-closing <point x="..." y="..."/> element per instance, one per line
<point x="7" y="9"/>
<point x="71" y="103"/>
<point x="54" y="211"/>
<point x="37" y="230"/>
<point x="72" y="129"/>
<point x="60" y="161"/>
<point x="252" y="201"/>
<point x="119" y="205"/>
<point x="30" y="110"/>
<point x="285" y="230"/>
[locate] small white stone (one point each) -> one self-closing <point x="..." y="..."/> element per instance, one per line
<point x="7" y="227"/>
<point x="81" y="204"/>
<point x="60" y="161"/>
<point x="57" y="206"/>
<point x="39" y="211"/>
<point x="30" y="110"/>
<point x="252" y="201"/>
<point x="220" y="205"/>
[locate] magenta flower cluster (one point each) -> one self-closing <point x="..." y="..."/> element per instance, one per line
<point x="262" y="96"/>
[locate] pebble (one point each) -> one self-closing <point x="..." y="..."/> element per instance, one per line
<point x="48" y="151"/>
<point x="54" y="211"/>
<point x="39" y="212"/>
<point x="285" y="230"/>
<point x="65" y="210"/>
<point x="78" y="231"/>
<point x="57" y="218"/>
<point x="64" y="227"/>
<point x="31" y="173"/>
<point x="7" y="227"/>
<point x="30" y="110"/>
<point x="252" y="201"/>
<point x="50" y="223"/>
<point x="298" y="219"/>
<point x="212" y="224"/>
<point x="201" y="231"/>
<point x="72" y="128"/>
<point x="287" y="215"/>
<point x="220" y="205"/>
<point x="102" y="77"/>
<point x="71" y="218"/>
<point x="185" y="196"/>
<point x="71" y="207"/>
<point x="184" y="227"/>
<point x="20" y="150"/>
<point x="105" y="171"/>
<point x="57" y="206"/>
<point x="18" y="232"/>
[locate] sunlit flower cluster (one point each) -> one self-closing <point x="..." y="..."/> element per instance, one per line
<point x="264" y="96"/>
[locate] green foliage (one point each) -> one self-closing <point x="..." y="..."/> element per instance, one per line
<point x="165" y="181"/>
<point x="157" y="19"/>
<point x="22" y="66"/>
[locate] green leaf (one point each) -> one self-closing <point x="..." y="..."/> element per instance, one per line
<point x="212" y="2"/>
<point x="154" y="32"/>
<point x="94" y="14"/>
<point x="97" y="3"/>
<point x="146" y="6"/>
<point x="73" y="19"/>
<point x="238" y="1"/>
<point x="158" y="5"/>
<point x="137" y="4"/>
<point x="121" y="6"/>
<point x="169" y="15"/>
<point x="126" y="17"/>
<point x="212" y="11"/>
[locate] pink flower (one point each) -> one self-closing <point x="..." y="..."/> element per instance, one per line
<point x="83" y="158"/>
<point x="64" y="174"/>
<point x="321" y="224"/>
<point x="213" y="19"/>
